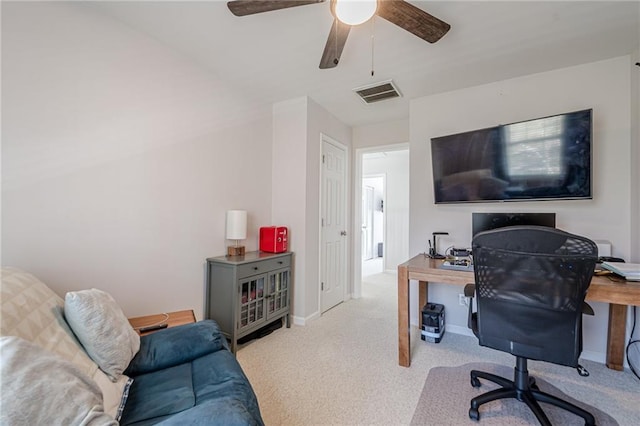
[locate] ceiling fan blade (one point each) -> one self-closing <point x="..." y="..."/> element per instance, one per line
<point x="413" y="19"/>
<point x="335" y="43"/>
<point x="250" y="7"/>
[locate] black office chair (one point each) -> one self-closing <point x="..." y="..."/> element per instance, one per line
<point x="530" y="286"/>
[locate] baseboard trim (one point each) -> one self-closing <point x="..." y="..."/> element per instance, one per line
<point x="595" y="357"/>
<point x="297" y="320"/>
<point x="456" y="329"/>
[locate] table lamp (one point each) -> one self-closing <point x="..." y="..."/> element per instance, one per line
<point x="236" y="230"/>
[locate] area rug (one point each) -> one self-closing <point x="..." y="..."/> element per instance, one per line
<point x="447" y="392"/>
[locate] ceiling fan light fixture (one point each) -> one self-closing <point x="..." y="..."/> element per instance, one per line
<point x="354" y="12"/>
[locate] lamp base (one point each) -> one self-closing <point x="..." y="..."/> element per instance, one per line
<point x="235" y="251"/>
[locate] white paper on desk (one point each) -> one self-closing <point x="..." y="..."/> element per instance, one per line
<point x="631" y="271"/>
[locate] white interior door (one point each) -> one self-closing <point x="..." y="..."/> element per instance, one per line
<point x="333" y="262"/>
<point x="367" y="222"/>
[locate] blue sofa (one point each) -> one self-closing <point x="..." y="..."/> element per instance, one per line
<point x="186" y="375"/>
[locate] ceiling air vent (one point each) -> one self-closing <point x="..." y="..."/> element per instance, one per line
<point x="378" y="91"/>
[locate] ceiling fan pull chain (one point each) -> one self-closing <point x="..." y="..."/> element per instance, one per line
<point x="336" y="24"/>
<point x="373" y="29"/>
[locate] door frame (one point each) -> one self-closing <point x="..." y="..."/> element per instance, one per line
<point x="347" y="290"/>
<point x="382" y="176"/>
<point x="356" y="245"/>
<point x="368" y="220"/>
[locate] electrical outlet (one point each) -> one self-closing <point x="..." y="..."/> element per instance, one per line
<point x="462" y="300"/>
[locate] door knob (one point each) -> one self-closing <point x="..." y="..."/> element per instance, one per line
<point x="343" y="233"/>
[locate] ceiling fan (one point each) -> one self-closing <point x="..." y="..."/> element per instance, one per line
<point x="398" y="12"/>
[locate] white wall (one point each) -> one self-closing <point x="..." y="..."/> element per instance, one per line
<point x="297" y="127"/>
<point x="380" y="134"/>
<point x="120" y="158"/>
<point x="603" y="86"/>
<point x="634" y="356"/>
<point x="635" y="154"/>
<point x="290" y="187"/>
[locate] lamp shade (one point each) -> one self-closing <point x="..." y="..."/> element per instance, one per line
<point x="236" y="224"/>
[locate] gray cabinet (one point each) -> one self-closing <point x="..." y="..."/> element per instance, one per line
<point x="245" y="293"/>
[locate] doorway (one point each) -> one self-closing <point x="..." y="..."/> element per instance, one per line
<point x="373" y="219"/>
<point x="390" y="165"/>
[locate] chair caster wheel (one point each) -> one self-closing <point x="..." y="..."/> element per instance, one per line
<point x="474" y="414"/>
<point x="475" y="382"/>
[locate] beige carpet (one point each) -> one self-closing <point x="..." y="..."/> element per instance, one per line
<point x="447" y="392"/>
<point x="342" y="369"/>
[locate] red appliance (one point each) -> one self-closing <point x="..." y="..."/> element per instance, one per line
<point x="273" y="239"/>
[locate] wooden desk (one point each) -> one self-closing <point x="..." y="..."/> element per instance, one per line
<point x="602" y="289"/>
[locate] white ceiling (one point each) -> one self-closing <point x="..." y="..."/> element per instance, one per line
<point x="274" y="56"/>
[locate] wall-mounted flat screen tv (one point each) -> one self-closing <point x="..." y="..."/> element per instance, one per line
<point x="543" y="159"/>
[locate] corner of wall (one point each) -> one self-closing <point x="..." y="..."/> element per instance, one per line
<point x="635" y="155"/>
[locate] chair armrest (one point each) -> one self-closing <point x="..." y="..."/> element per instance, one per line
<point x="175" y="346"/>
<point x="469" y="290"/>
<point x="587" y="309"/>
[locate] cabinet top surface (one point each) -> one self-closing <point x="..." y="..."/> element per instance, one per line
<point x="248" y="257"/>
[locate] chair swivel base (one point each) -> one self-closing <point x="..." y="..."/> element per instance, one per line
<point x="524" y="389"/>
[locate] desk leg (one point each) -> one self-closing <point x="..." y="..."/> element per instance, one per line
<point x="404" y="337"/>
<point x="616" y="336"/>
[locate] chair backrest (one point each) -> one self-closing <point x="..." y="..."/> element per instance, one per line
<point x="531" y="282"/>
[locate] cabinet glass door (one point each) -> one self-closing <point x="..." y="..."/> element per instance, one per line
<point x="278" y="292"/>
<point x="252" y="298"/>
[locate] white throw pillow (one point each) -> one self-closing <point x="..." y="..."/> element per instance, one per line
<point x="103" y="329"/>
<point x="32" y="311"/>
<point x="40" y="387"/>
